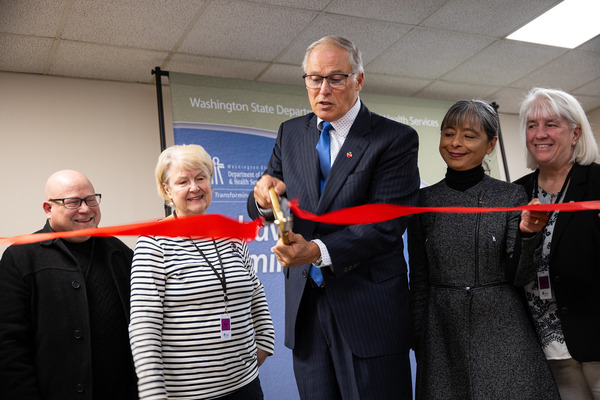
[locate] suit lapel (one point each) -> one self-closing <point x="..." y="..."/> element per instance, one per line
<point x="348" y="158"/>
<point x="311" y="171"/>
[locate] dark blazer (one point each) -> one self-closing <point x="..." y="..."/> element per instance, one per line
<point x="368" y="290"/>
<point x="575" y="264"/>
<point x="45" y="346"/>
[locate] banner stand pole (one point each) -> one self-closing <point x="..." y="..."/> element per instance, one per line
<point x="161" y="116"/>
<point x="496" y="107"/>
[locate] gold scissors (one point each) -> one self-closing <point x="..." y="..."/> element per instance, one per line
<point x="283" y="221"/>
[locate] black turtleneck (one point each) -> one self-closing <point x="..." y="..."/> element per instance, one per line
<point x="463" y="180"/>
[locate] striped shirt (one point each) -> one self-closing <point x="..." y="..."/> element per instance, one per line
<point x="176" y="304"/>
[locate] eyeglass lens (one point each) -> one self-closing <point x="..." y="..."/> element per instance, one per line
<point x="335" y="81"/>
<point x="91" y="201"/>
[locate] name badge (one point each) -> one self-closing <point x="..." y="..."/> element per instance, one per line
<point x="544" y="285"/>
<point x="225" y="327"/>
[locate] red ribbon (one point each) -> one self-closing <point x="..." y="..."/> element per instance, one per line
<point x="219" y="226"/>
<point x="372" y="213"/>
<point x="209" y="225"/>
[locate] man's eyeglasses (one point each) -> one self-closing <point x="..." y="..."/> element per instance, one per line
<point x="335" y="81"/>
<point x="73" y="203"/>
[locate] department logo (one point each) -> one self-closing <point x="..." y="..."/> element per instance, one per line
<point x="217" y="175"/>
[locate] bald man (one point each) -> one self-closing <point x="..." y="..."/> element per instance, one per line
<point x="64" y="306"/>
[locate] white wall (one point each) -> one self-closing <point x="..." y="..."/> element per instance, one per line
<point x="109" y="131"/>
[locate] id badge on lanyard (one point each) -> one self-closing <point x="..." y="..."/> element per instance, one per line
<point x="225" y="327"/>
<point x="544" y="285"/>
<point x="224" y="319"/>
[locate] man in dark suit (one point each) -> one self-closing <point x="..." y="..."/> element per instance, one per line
<point x="346" y="287"/>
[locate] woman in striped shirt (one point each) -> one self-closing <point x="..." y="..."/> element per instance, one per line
<point x="200" y="325"/>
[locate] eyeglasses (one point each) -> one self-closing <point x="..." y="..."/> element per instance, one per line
<point x="74" y="203"/>
<point x="335" y="81"/>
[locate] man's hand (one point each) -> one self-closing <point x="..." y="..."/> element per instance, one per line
<point x="298" y="252"/>
<point x="261" y="190"/>
<point x="533" y="221"/>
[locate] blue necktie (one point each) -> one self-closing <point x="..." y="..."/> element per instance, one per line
<point x="323" y="149"/>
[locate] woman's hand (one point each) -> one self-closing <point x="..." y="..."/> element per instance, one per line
<point x="533" y="222"/>
<point x="261" y="356"/>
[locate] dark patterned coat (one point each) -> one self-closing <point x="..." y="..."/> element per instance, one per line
<point x="473" y="335"/>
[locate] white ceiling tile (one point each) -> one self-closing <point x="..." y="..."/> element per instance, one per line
<point x="283" y="73"/>
<point x="590" y="103"/>
<point x="406" y="11"/>
<point x="96" y="61"/>
<point x="591" y="45"/>
<point x="374" y="38"/>
<point x="503" y="62"/>
<point x="374" y="83"/>
<point x="224" y="29"/>
<point x="455" y="91"/>
<point x="24" y="53"/>
<point x="589" y="89"/>
<point x="487" y="17"/>
<point x="305" y="4"/>
<point x="151" y="24"/>
<point x="508" y="99"/>
<point x="444" y="49"/>
<point x="393" y="85"/>
<point x="425" y="53"/>
<point x="31" y="17"/>
<point x="220" y="67"/>
<point x="567" y="72"/>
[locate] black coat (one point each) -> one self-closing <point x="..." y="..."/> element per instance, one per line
<point x="575" y="264"/>
<point x="45" y="345"/>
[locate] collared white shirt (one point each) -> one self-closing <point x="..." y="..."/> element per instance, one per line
<point x="340" y="129"/>
<point x="337" y="134"/>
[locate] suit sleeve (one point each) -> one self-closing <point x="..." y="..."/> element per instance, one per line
<point x="274" y="169"/>
<point x="419" y="278"/>
<point x="17" y="371"/>
<point x="522" y="252"/>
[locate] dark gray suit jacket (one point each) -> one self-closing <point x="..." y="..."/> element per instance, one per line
<point x="368" y="290"/>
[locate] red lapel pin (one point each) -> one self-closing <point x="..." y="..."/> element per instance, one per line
<point x="349" y="154"/>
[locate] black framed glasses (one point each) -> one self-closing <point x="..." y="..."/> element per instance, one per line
<point x="73" y="203"/>
<point x="335" y="81"/>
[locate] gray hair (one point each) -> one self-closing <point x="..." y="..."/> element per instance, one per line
<point x="354" y="54"/>
<point x="541" y="102"/>
<point x="478" y="113"/>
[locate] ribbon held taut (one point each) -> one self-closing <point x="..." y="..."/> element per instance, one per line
<point x="208" y="225"/>
<point x="219" y="226"/>
<point x="373" y="213"/>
